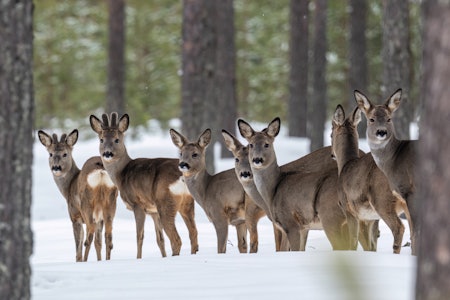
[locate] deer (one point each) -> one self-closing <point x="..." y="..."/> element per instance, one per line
<point x="364" y="186"/>
<point x="395" y="158"/>
<point x="220" y="195"/>
<point x="244" y="174"/>
<point x="299" y="200"/>
<point x="90" y="194"/>
<point x="147" y="186"/>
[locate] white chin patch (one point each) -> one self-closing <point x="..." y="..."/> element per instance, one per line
<point x="57" y="173"/>
<point x="107" y="158"/>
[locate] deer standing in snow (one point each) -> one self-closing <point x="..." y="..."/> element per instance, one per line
<point x="396" y="158"/>
<point x="364" y="186"/>
<point x="90" y="194"/>
<point x="147" y="186"/>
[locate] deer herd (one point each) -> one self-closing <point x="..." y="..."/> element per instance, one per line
<point x="338" y="189"/>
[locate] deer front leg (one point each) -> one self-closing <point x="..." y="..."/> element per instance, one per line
<point x="241" y="230"/>
<point x="221" y="227"/>
<point x="188" y="214"/>
<point x="159" y="233"/>
<point x="303" y="238"/>
<point x="139" y="217"/>
<point x="78" y="234"/>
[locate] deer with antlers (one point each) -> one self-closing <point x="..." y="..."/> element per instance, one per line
<point x="90" y="194"/>
<point x="147" y="186"/>
<point x="396" y="158"/>
<point x="364" y="186"/>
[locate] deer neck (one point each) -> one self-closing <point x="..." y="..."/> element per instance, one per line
<point x="347" y="151"/>
<point x="383" y="155"/>
<point x="197" y="184"/>
<point x="115" y="168"/>
<point x="266" y="181"/>
<point x="66" y="181"/>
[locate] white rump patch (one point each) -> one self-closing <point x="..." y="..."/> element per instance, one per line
<point x="179" y="187"/>
<point x="99" y="177"/>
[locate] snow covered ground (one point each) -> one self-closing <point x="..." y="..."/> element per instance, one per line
<point x="317" y="273"/>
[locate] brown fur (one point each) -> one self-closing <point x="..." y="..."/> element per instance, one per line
<point x="396" y="158"/>
<point x="220" y="195"/>
<point x="365" y="187"/>
<point x="145" y="186"/>
<point x="85" y="203"/>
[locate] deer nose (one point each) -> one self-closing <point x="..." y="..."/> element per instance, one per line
<point x="246" y="174"/>
<point x="183" y="166"/>
<point x="258" y="161"/>
<point x="381" y="133"/>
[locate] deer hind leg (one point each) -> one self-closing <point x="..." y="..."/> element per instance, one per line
<point x="108" y="236"/>
<point x="168" y="223"/>
<point x="368" y="235"/>
<point x="98" y="239"/>
<point x="187" y="212"/>
<point x="139" y="217"/>
<point x="78" y="234"/>
<point x="159" y="233"/>
<point x="90" y="231"/>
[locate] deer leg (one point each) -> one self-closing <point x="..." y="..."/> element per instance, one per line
<point x="293" y="235"/>
<point x="98" y="239"/>
<point x="78" y="234"/>
<point x="396" y="226"/>
<point x="159" y="233"/>
<point x="241" y="230"/>
<point x="139" y="217"/>
<point x="108" y="236"/>
<point x="366" y="236"/>
<point x="188" y="214"/>
<point x="303" y="238"/>
<point x="221" y="227"/>
<point x="168" y="223"/>
<point x="351" y="236"/>
<point x="90" y="231"/>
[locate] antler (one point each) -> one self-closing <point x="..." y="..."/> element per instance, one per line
<point x="106" y="121"/>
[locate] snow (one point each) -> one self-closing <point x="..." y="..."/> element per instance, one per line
<point x="317" y="273"/>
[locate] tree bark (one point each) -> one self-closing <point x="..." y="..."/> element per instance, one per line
<point x="198" y="95"/>
<point x="358" y="55"/>
<point x="396" y="60"/>
<point x="298" y="58"/>
<point x="16" y="138"/>
<point x="433" y="176"/>
<point x="319" y="97"/>
<point x="115" y="94"/>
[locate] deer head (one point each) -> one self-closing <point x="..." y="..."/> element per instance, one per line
<point x="380" y="129"/>
<point x="240" y="153"/>
<point x="111" y="135"/>
<point x="60" y="152"/>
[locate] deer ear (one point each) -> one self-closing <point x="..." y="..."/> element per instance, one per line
<point x="96" y="124"/>
<point x="394" y="101"/>
<point x="245" y="129"/>
<point x="45" y="139"/>
<point x="124" y="122"/>
<point x="205" y="138"/>
<point x="356" y="116"/>
<point x="274" y="127"/>
<point x="72" y="138"/>
<point x="177" y="138"/>
<point x="339" y="115"/>
<point x="231" y="142"/>
<point x="362" y="101"/>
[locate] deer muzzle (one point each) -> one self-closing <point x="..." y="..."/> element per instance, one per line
<point x="381" y="134"/>
<point x="56" y="170"/>
<point x="246" y="175"/>
<point x="108" y="155"/>
<point x="184" y="167"/>
<point x="258" y="161"/>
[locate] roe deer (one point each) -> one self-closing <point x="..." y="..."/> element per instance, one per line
<point x="396" y="158"/>
<point x="244" y="174"/>
<point x="365" y="188"/>
<point x="147" y="186"/>
<point x="299" y="200"/>
<point x="90" y="194"/>
<point x="220" y="195"/>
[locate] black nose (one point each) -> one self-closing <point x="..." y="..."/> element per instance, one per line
<point x="108" y="154"/>
<point x="381" y="132"/>
<point x="183" y="166"/>
<point x="258" y="160"/>
<point x="56" y="168"/>
<point x="246" y="174"/>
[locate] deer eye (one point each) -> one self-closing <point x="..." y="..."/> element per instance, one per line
<point x="116" y="141"/>
<point x="236" y="159"/>
<point x="251" y="145"/>
<point x="266" y="145"/>
<point x="51" y="154"/>
<point x="388" y="120"/>
<point x="65" y="155"/>
<point x="371" y="120"/>
<point x="194" y="155"/>
<point x="101" y="141"/>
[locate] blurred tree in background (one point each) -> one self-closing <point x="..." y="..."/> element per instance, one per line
<point x="70" y="58"/>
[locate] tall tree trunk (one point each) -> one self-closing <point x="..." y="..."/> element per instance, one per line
<point x="358" y="54"/>
<point x="298" y="60"/>
<point x="226" y="72"/>
<point x="16" y="138"/>
<point x="198" y="95"/>
<point x="396" y="60"/>
<point x="115" y="94"/>
<point x="433" y="176"/>
<point x="319" y="97"/>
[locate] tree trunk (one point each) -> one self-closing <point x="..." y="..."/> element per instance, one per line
<point x="115" y="94"/>
<point x="298" y="57"/>
<point x="226" y="72"/>
<point x="16" y="138"/>
<point x="198" y="101"/>
<point x="433" y="176"/>
<point x="319" y="97"/>
<point x="396" y="60"/>
<point x="358" y="55"/>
